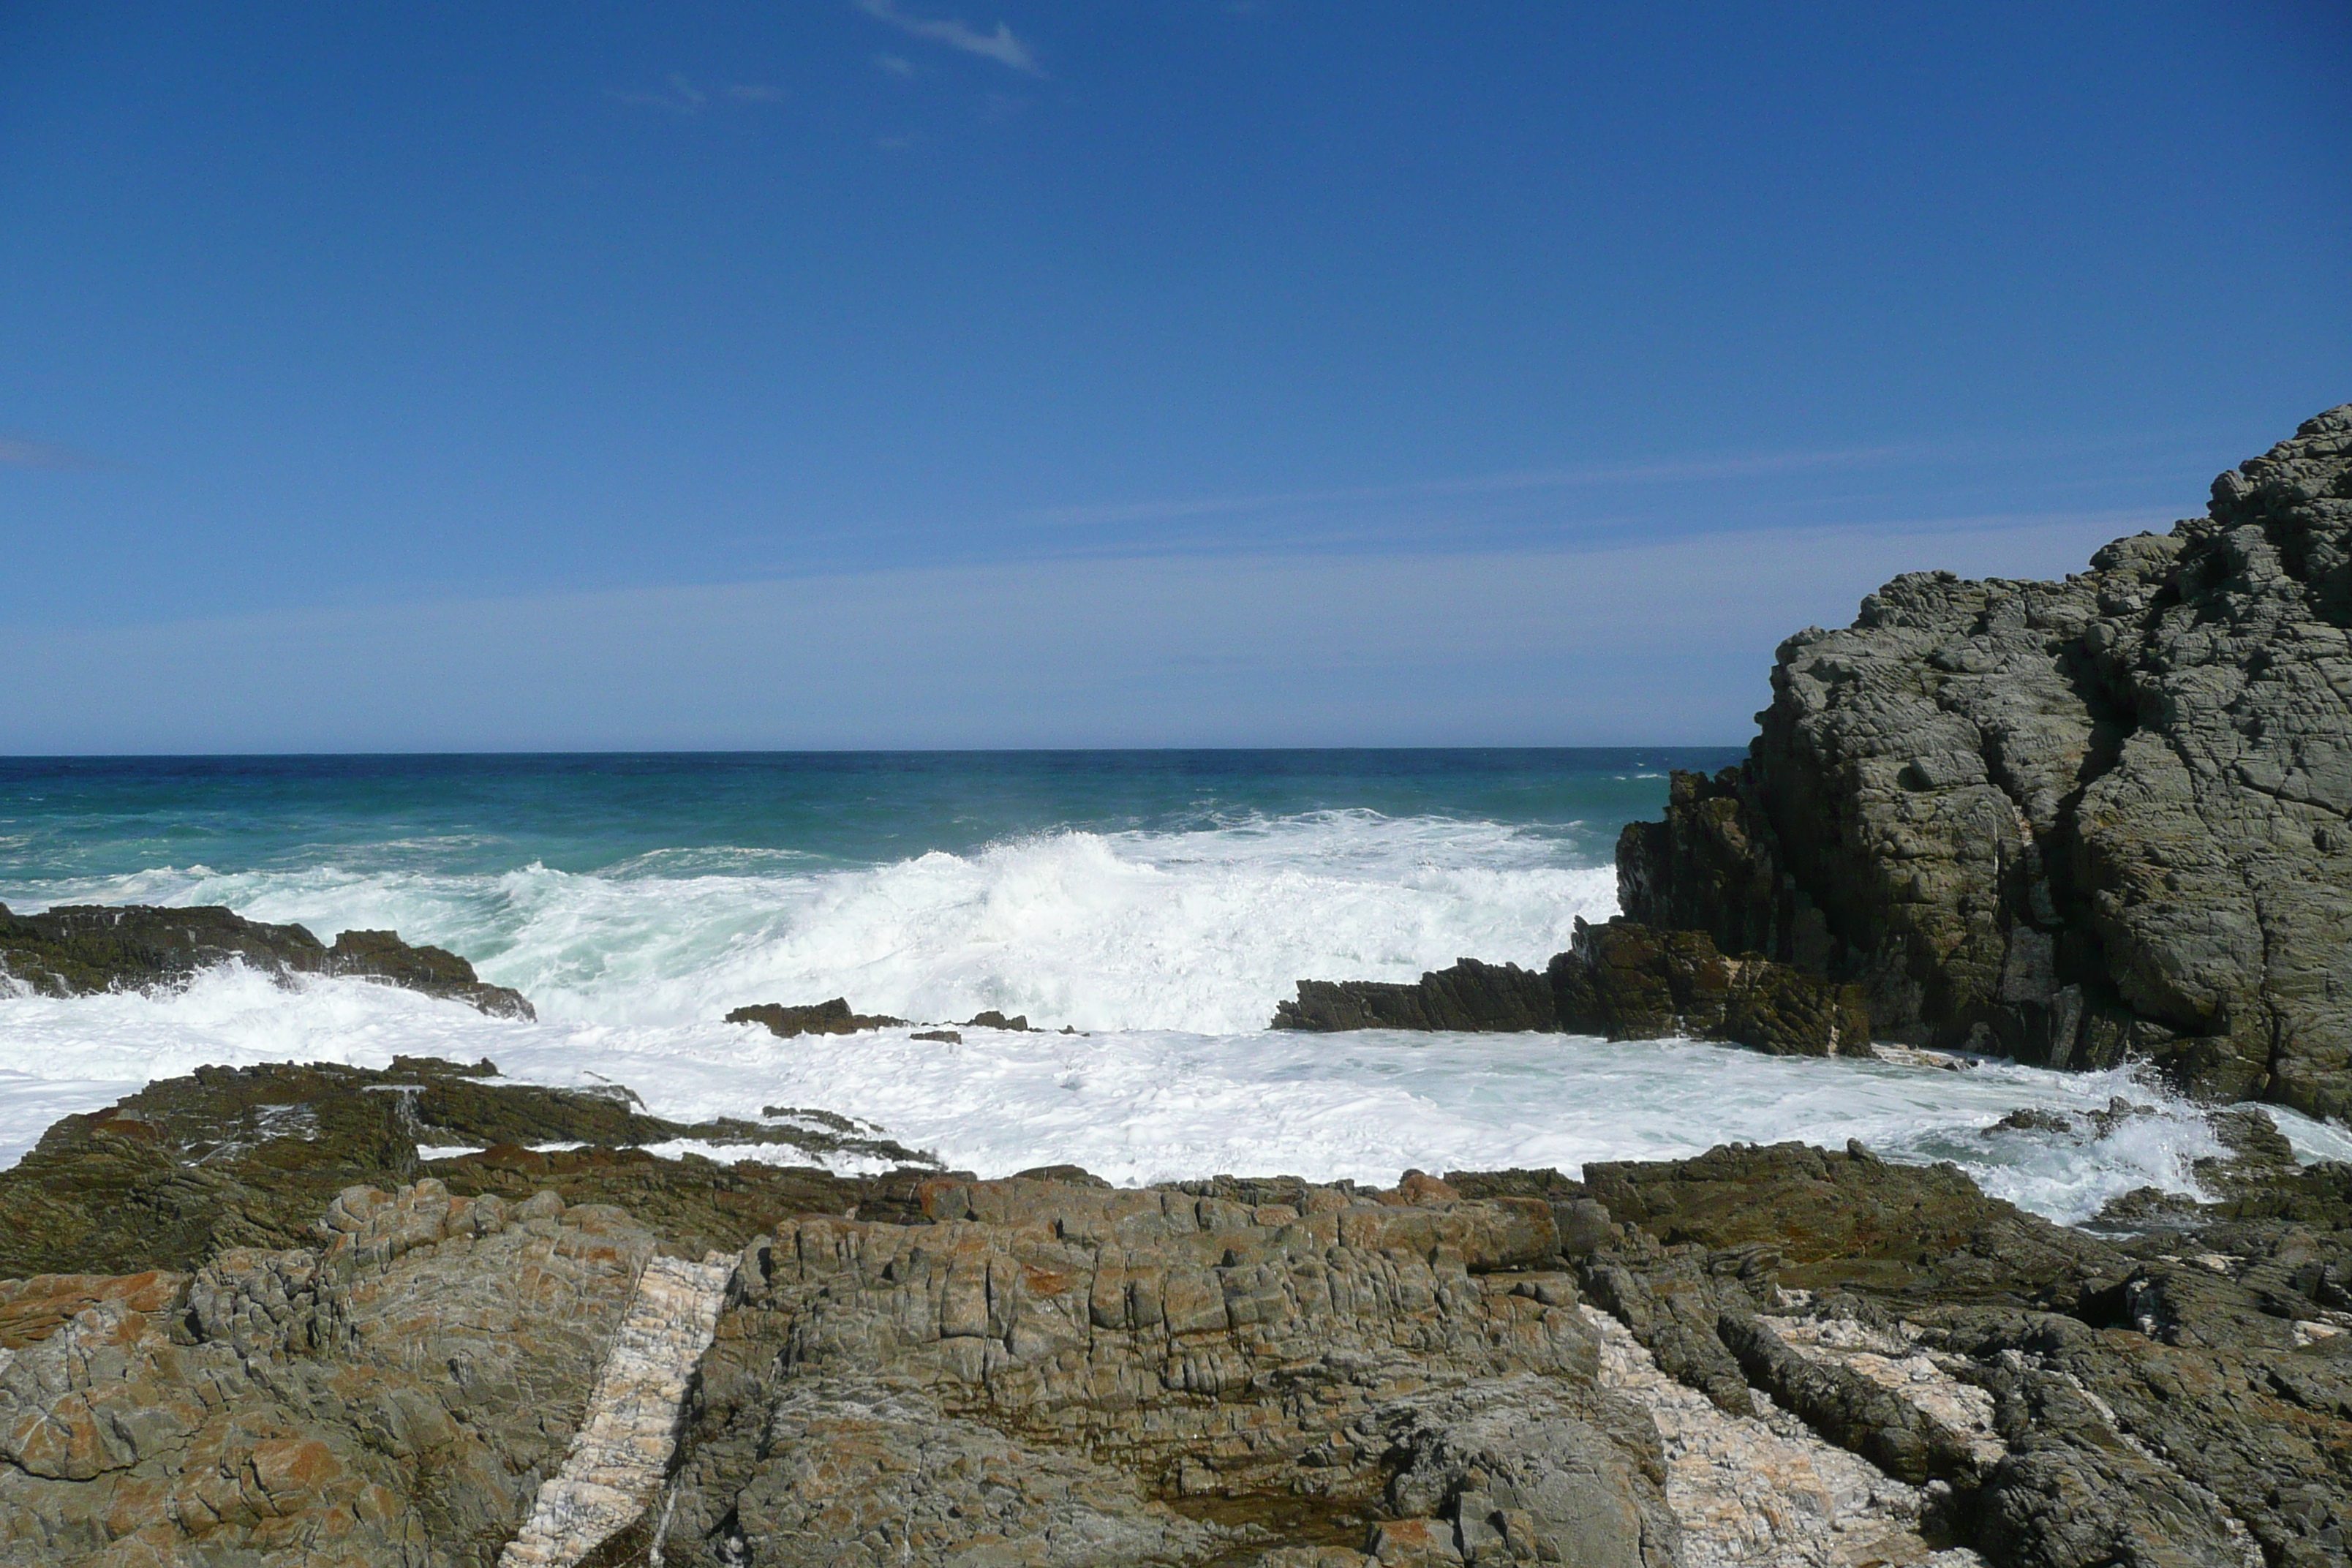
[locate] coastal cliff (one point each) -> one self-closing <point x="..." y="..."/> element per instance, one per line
<point x="2067" y="822"/>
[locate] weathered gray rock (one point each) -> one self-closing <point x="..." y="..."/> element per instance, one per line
<point x="2068" y="821"/>
<point x="1158" y="1376"/>
<point x="391" y="1396"/>
<point x="621" y="1451"/>
<point x="1758" y="1358"/>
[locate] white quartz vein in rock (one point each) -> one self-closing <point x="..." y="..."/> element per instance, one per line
<point x="621" y="1450"/>
<point x="1765" y="1493"/>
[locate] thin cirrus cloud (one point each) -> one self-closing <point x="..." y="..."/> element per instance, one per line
<point x="999" y="45"/>
<point x="1735" y="466"/>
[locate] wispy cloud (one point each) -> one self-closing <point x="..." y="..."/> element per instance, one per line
<point x="897" y="65"/>
<point x="999" y="45"/>
<point x="18" y="453"/>
<point x="1666" y="472"/>
<point x="678" y="97"/>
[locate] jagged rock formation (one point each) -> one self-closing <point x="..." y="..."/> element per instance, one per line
<point x="77" y="950"/>
<point x="2068" y="821"/>
<point x="1620" y="981"/>
<point x="1762" y="1357"/>
<point x="1158" y="1376"/>
<point x="2179" y="1397"/>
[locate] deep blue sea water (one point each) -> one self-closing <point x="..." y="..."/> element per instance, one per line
<point x="1160" y="902"/>
<point x="69" y="818"/>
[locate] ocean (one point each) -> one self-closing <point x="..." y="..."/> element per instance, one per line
<point x="1158" y="903"/>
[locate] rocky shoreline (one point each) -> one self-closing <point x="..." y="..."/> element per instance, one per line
<point x="427" y="1316"/>
<point x="307" y="1341"/>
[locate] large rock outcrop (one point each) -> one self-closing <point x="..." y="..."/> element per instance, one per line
<point x="75" y="950"/>
<point x="2070" y="822"/>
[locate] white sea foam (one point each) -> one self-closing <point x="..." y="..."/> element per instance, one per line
<point x="1147" y="1105"/>
<point x="1172" y="949"/>
<point x="1202" y="931"/>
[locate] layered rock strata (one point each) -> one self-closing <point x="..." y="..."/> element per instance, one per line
<point x="1167" y="1375"/>
<point x="2069" y="822"/>
<point x="387" y="1396"/>
<point x="1620" y="981"/>
<point x="77" y="950"/>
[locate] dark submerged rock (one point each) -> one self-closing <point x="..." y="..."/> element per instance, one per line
<point x="1622" y="980"/>
<point x="79" y="950"/>
<point x="832" y="1017"/>
<point x="1470" y="996"/>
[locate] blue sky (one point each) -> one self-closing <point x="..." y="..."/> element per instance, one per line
<point x="886" y="373"/>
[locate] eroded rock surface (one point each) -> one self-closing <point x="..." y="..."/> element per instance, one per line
<point x="619" y="1453"/>
<point x="2068" y="821"/>
<point x="388" y="1396"/>
<point x="1061" y="1374"/>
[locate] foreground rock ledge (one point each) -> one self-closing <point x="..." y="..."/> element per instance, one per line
<point x="1760" y="1356"/>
